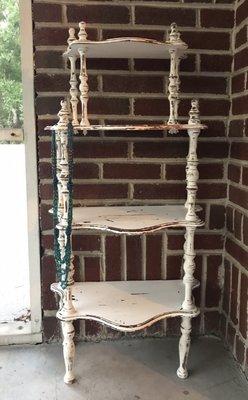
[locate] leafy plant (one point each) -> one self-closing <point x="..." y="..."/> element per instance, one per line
<point x="11" y="109"/>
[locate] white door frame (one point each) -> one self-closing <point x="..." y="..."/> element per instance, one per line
<point x="31" y="331"/>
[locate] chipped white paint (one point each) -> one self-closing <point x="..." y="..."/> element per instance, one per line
<point x="134" y="305"/>
<point x="174" y="81"/>
<point x="68" y="350"/>
<point x="192" y="174"/>
<point x="131" y="220"/>
<point x="74" y="91"/>
<point x="184" y="345"/>
<point x="144" y="127"/>
<point x="127" y="306"/>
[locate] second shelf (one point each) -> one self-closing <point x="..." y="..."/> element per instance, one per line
<point x="131" y="220"/>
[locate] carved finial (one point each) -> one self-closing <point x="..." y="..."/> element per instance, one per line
<point x="194" y="112"/>
<point x="82" y="34"/>
<point x="72" y="36"/>
<point x="63" y="115"/>
<point x="174" y="35"/>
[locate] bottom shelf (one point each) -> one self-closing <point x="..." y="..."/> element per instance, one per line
<point x="126" y="305"/>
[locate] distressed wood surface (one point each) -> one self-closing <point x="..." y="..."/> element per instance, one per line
<point x="125" y="47"/>
<point x="126" y="306"/>
<point x="131" y="220"/>
<point x="144" y="127"/>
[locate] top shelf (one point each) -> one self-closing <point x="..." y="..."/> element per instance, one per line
<point x="125" y="47"/>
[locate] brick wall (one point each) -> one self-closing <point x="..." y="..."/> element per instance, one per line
<point x="138" y="168"/>
<point x="234" y="323"/>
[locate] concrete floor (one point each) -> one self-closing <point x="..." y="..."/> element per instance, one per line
<point x="142" y="369"/>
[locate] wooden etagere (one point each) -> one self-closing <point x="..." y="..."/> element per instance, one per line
<point x="133" y="305"/>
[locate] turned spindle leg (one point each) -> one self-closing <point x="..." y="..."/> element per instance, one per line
<point x="184" y="345"/>
<point x="69" y="351"/>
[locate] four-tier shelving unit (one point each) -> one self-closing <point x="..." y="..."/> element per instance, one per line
<point x="126" y="306"/>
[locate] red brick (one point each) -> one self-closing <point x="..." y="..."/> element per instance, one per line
<point x="239" y="150"/>
<point x="216" y="62"/>
<point x="237" y="224"/>
<point x="47" y="105"/>
<point x="237" y="252"/>
<point x="47" y="12"/>
<point x="46" y="219"/>
<point x="148" y="107"/>
<point x="51" y="329"/>
<point x="133" y="84"/>
<point x="92" y="269"/>
<point x="212" y="322"/>
<point x="215" y="128"/>
<point x="241" y="59"/>
<point x="240" y="105"/>
<point x="238" y="83"/>
<point x="241" y="37"/>
<point x="245" y="230"/>
<point x="206" y="171"/>
<point x="168" y="149"/>
<point x="58" y="82"/>
<point x="113" y="258"/>
<point x="131" y="171"/>
<point x="100" y="105"/>
<point x="146" y="64"/>
<point x="217" y="18"/>
<point x="245" y="176"/>
<point x="80" y="170"/>
<point x="234" y="295"/>
<point x="159" y="191"/>
<point x="211" y="191"/>
<point x="92" y="329"/>
<point x="86" y="242"/>
<point x="207" y="40"/>
<point x="85" y="170"/>
<point x="153" y="256"/>
<point x="217" y="216"/>
<point x="173" y="267"/>
<point x="243" y="305"/>
<point x="236" y="128"/>
<point x="48" y="59"/>
<point x="213" y="150"/>
<point x="149" y="33"/>
<point x="98" y="14"/>
<point x="241" y="12"/>
<point x="234" y="173"/>
<point x="100" y="191"/>
<point x="107" y="64"/>
<point x="202" y="241"/>
<point x="213" y="290"/>
<point x="56" y="36"/>
<point x="229" y="218"/>
<point x="48" y="276"/>
<point x="238" y="196"/>
<point x="173" y="326"/>
<point x="227" y="286"/>
<point x="160" y="16"/>
<point x="100" y="149"/>
<point x="203" y="84"/>
<point x="134" y="259"/>
<point x="240" y="350"/>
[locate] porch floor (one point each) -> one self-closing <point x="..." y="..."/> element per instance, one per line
<point x="139" y="369"/>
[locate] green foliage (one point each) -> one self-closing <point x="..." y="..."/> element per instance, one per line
<point x="11" y="113"/>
